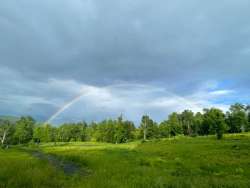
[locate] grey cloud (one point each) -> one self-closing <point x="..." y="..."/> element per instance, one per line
<point x="137" y="40"/>
<point x="175" y="45"/>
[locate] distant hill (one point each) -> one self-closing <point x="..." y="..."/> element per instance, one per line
<point x="9" y="118"/>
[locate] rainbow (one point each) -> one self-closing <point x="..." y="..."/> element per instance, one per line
<point x="78" y="97"/>
<point x="64" y="107"/>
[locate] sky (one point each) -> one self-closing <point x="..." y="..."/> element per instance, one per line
<point x="63" y="61"/>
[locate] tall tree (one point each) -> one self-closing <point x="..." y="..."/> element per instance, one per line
<point x="164" y="129"/>
<point x="24" y="129"/>
<point x="124" y="130"/>
<point x="149" y="129"/>
<point x="248" y="117"/>
<point x="38" y="134"/>
<point x="237" y="118"/>
<point x="44" y="133"/>
<point x="198" y="121"/>
<point x="215" y="120"/>
<point x="6" y="132"/>
<point x="175" y="124"/>
<point x="106" y="131"/>
<point x="144" y="125"/>
<point x="92" y="131"/>
<point x="187" y="120"/>
<point x="206" y="126"/>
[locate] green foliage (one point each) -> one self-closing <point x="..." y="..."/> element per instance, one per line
<point x="148" y="128"/>
<point x="6" y="132"/>
<point x="187" y="121"/>
<point x="173" y="162"/>
<point x="215" y="120"/>
<point x="24" y="130"/>
<point x="237" y="119"/>
<point x="164" y="129"/>
<point x="198" y="121"/>
<point x="124" y="131"/>
<point x="44" y="133"/>
<point x="211" y="121"/>
<point x="105" y="131"/>
<point x="175" y="124"/>
<point x="248" y="117"/>
<point x="114" y="131"/>
<point x="72" y="132"/>
<point x="181" y="162"/>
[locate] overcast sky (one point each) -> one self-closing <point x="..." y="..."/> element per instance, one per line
<point x="93" y="59"/>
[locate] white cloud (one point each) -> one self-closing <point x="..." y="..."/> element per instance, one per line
<point x="83" y="48"/>
<point x="76" y="101"/>
<point x="220" y="92"/>
<point x="133" y="100"/>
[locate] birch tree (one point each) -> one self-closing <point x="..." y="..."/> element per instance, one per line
<point x="5" y="129"/>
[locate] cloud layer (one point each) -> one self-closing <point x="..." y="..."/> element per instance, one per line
<point x="130" y="57"/>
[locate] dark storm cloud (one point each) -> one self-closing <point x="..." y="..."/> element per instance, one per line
<point x="176" y="45"/>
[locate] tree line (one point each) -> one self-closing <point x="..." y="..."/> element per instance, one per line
<point x="211" y="121"/>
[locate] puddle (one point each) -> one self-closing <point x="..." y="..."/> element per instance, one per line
<point x="68" y="167"/>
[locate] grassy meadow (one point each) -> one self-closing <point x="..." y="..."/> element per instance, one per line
<point x="176" y="162"/>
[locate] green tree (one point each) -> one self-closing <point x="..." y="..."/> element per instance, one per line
<point x="106" y="131"/>
<point x="148" y="128"/>
<point x="153" y="131"/>
<point x="175" y="124"/>
<point x="206" y="126"/>
<point x="164" y="129"/>
<point x="145" y="121"/>
<point x="64" y="133"/>
<point x="44" y="133"/>
<point x="92" y="131"/>
<point x="187" y="120"/>
<point x="124" y="130"/>
<point x="248" y="117"/>
<point x="237" y="118"/>
<point x="38" y="134"/>
<point x="78" y="131"/>
<point x="198" y="121"/>
<point x="71" y="132"/>
<point x="109" y="131"/>
<point x="215" y="120"/>
<point x="24" y="130"/>
<point x="6" y="132"/>
<point x="129" y="130"/>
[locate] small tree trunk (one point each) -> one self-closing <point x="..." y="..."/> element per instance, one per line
<point x="189" y="130"/>
<point x="4" y="137"/>
<point x="144" y="134"/>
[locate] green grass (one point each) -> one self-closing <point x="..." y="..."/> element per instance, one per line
<point x="180" y="162"/>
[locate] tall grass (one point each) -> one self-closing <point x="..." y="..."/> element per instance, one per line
<point x="180" y="162"/>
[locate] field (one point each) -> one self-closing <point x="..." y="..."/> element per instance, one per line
<point x="179" y="162"/>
